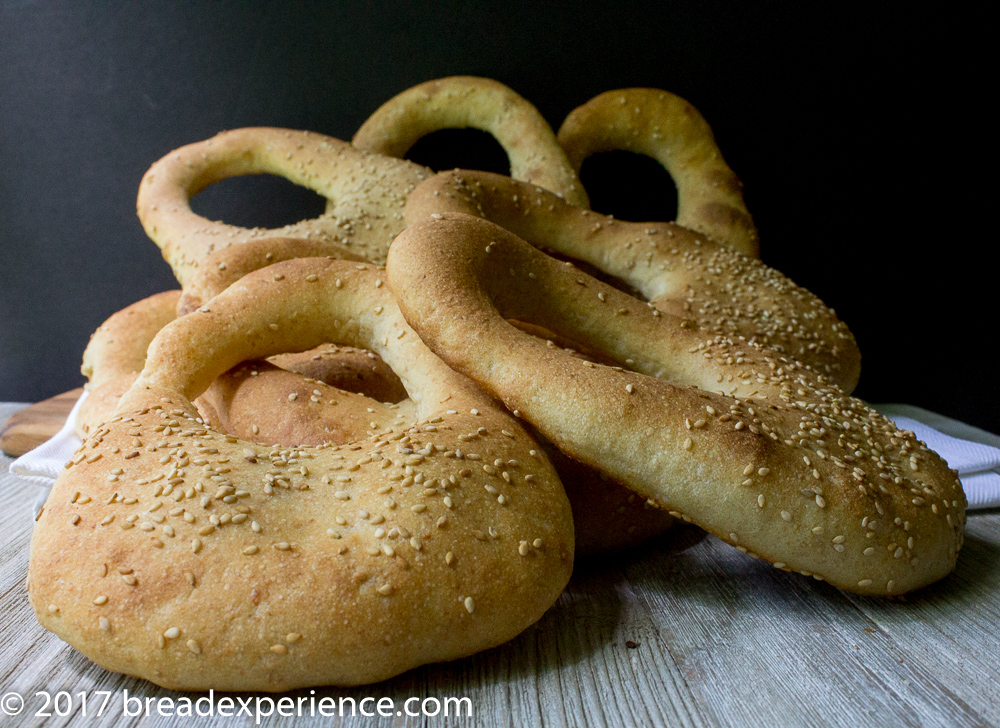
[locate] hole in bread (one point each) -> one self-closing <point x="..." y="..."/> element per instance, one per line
<point x="347" y="368"/>
<point x="630" y="186"/>
<point x="258" y="200"/>
<point x="460" y="149"/>
<point x="326" y="395"/>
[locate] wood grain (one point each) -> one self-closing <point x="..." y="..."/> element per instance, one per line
<point x="717" y="639"/>
<point x="28" y="428"/>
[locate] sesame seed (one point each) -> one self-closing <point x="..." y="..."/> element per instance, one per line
<point x="172" y="633"/>
<point x="279" y="649"/>
<point x="470" y="605"/>
<point x="101" y="600"/>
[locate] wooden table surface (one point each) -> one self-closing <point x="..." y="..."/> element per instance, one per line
<point x="683" y="632"/>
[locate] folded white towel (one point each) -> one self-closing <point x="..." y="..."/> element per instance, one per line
<point x="43" y="464"/>
<point x="973" y="452"/>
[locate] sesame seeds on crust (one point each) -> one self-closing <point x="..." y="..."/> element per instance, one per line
<point x="669" y="129"/>
<point x="705" y="284"/>
<point x="782" y="463"/>
<point x="365" y="192"/>
<point x="222" y="547"/>
<point x="480" y="103"/>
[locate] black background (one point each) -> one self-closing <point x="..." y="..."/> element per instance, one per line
<point x="846" y="124"/>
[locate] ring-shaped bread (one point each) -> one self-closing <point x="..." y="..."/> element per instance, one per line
<point x="196" y="560"/>
<point x="365" y="193"/>
<point x="670" y="130"/>
<point x="261" y="403"/>
<point x="756" y="448"/>
<point x="481" y="103"/>
<point x="678" y="271"/>
<point x="116" y="355"/>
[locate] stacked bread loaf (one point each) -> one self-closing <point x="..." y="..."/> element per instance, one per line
<point x="378" y="438"/>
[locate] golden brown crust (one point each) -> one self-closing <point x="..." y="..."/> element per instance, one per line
<point x="678" y="271"/>
<point x="752" y="446"/>
<point x="262" y="403"/>
<point x="116" y="354"/>
<point x="199" y="561"/>
<point x="258" y="409"/>
<point x="670" y="130"/>
<point x="348" y="368"/>
<point x="607" y="516"/>
<point x="223" y="267"/>
<point x="481" y="103"/>
<point x="365" y="193"/>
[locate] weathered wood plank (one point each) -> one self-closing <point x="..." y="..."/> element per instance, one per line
<point x="953" y="628"/>
<point x="720" y="639"/>
<point x="760" y="646"/>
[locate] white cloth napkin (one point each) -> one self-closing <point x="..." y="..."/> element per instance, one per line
<point x="42" y="465"/>
<point x="973" y="452"/>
